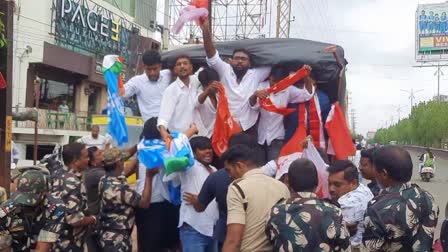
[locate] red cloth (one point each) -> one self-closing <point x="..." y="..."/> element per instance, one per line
<point x="200" y="3"/>
<point x="339" y="134"/>
<point x="295" y="143"/>
<point x="2" y="82"/>
<point x="267" y="103"/>
<point x="315" y="123"/>
<point x="225" y="125"/>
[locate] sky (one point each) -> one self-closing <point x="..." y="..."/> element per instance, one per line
<point x="378" y="37"/>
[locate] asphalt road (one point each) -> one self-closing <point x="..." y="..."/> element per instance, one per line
<point x="438" y="186"/>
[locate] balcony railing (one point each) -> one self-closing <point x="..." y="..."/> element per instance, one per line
<point x="50" y="119"/>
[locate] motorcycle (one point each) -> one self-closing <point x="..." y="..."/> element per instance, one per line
<point x="427" y="173"/>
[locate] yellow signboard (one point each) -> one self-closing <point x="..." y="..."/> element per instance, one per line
<point x="8" y="133"/>
<point x="103" y="120"/>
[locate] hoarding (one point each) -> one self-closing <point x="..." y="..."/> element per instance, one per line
<point x="432" y="32"/>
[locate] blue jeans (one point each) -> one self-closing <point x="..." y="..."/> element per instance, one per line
<point x="193" y="241"/>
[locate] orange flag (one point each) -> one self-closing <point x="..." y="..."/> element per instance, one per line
<point x="225" y="125"/>
<point x="340" y="143"/>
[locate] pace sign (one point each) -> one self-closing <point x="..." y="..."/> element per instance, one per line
<point x="90" y="27"/>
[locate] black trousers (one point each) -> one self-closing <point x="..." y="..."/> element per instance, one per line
<point x="157" y="227"/>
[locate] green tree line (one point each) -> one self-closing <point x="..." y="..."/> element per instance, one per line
<point x="427" y="125"/>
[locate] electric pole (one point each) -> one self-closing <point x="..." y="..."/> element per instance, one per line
<point x="353" y="119"/>
<point x="283" y="23"/>
<point x="6" y="62"/>
<point x="411" y="95"/>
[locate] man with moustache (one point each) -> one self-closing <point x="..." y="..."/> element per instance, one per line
<point x="239" y="78"/>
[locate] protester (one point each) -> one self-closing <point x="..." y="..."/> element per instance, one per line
<point x="177" y="107"/>
<point x="249" y="200"/>
<point x="403" y="216"/>
<point x="215" y="188"/>
<point x="118" y="203"/>
<point x="352" y="196"/>
<point x="95" y="139"/>
<point x="157" y="225"/>
<point x="149" y="86"/>
<point x="32" y="204"/>
<point x="368" y="171"/>
<point x="206" y="102"/>
<point x="271" y="130"/>
<point x="304" y="222"/>
<point x="91" y="180"/>
<point x="239" y="78"/>
<point x="196" y="229"/>
<point x="68" y="186"/>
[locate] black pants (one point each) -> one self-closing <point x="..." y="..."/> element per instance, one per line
<point x="93" y="243"/>
<point x="157" y="227"/>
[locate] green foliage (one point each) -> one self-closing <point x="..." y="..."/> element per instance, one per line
<point x="2" y="32"/>
<point x="426" y="126"/>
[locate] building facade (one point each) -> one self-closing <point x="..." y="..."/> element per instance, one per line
<point x="58" y="50"/>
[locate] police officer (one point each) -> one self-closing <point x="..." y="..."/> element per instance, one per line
<point x="32" y="218"/>
<point x="305" y="222"/>
<point x="118" y="203"/>
<point x="403" y="216"/>
<point x="68" y="186"/>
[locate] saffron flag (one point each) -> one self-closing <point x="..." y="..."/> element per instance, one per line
<point x="196" y="10"/>
<point x="340" y="140"/>
<point x="225" y="125"/>
<point x="112" y="65"/>
<point x="267" y="103"/>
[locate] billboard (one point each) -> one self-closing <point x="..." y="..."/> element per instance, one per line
<point x="432" y="32"/>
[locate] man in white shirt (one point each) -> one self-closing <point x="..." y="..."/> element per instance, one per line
<point x="95" y="139"/>
<point x="63" y="108"/>
<point x="239" y="79"/>
<point x="352" y="196"/>
<point x="177" y="107"/>
<point x="206" y="102"/>
<point x="196" y="228"/>
<point x="271" y="130"/>
<point x="149" y="86"/>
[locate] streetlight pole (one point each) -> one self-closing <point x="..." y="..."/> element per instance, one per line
<point x="411" y="95"/>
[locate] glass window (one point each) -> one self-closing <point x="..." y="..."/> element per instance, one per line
<point x="55" y="95"/>
<point x="127" y="6"/>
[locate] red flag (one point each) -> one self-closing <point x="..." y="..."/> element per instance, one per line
<point x="267" y="103"/>
<point x="2" y="82"/>
<point x="225" y="125"/>
<point x="339" y="134"/>
<point x="315" y="122"/>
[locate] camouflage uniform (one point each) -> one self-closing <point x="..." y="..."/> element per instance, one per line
<point x="401" y="218"/>
<point x="307" y="223"/>
<point x="117" y="212"/>
<point x="23" y="221"/>
<point x="68" y="186"/>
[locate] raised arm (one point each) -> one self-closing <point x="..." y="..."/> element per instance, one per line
<point x="210" y="49"/>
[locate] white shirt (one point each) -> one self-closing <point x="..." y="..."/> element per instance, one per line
<point x="238" y="94"/>
<point x="191" y="181"/>
<point x="177" y="107"/>
<point x="204" y="116"/>
<point x="100" y="142"/>
<point x="354" y="205"/>
<point x="159" y="191"/>
<point x="149" y="93"/>
<point x="270" y="126"/>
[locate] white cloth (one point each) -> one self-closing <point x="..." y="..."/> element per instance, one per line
<point x="159" y="191"/>
<point x="149" y="93"/>
<point x="204" y="116"/>
<point x="270" y="168"/>
<point x="270" y="126"/>
<point x="357" y="158"/>
<point x="63" y="108"/>
<point x="238" y="94"/>
<point x="354" y="205"/>
<point x="177" y="107"/>
<point x="191" y="181"/>
<point x="100" y="142"/>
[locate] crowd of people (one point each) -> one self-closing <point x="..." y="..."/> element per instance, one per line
<point x="227" y="203"/>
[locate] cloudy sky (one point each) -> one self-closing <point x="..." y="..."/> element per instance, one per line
<point x="379" y="41"/>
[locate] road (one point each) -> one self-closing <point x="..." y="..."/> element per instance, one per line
<point x="438" y="185"/>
